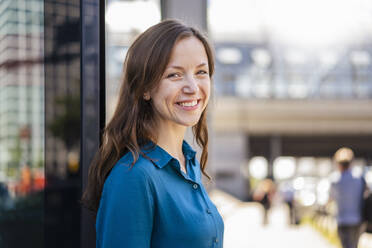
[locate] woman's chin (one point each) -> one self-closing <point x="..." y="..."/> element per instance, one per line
<point x="190" y="123"/>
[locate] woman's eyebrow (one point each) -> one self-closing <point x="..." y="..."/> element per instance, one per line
<point x="181" y="68"/>
<point x="202" y="64"/>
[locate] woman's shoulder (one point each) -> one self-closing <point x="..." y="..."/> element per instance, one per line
<point x="124" y="168"/>
<point x="124" y="176"/>
<point x="125" y="179"/>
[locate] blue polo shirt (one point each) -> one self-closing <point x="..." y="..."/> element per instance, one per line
<point x="347" y="190"/>
<point x="154" y="204"/>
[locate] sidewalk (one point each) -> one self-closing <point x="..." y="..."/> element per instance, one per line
<point x="244" y="229"/>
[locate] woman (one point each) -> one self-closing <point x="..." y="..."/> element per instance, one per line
<point x="145" y="182"/>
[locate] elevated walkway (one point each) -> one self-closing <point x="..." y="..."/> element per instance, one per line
<point x="292" y="117"/>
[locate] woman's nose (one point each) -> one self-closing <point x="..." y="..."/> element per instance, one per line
<point x="191" y="85"/>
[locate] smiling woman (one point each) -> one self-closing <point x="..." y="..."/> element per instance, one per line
<point x="145" y="182"/>
<point x="183" y="91"/>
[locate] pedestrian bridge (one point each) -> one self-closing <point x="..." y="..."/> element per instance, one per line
<point x="292" y="117"/>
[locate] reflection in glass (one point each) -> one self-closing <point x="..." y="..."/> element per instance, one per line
<point x="62" y="123"/>
<point x="21" y="123"/>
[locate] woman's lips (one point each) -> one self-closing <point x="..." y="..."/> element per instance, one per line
<point x="189" y="105"/>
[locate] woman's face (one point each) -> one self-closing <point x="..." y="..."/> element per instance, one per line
<point x="184" y="89"/>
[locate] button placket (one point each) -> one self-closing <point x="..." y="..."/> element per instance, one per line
<point x="215" y="240"/>
<point x="209" y="212"/>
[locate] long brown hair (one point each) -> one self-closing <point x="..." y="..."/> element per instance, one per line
<point x="132" y="124"/>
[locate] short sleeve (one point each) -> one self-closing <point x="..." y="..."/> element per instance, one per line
<point x="125" y="215"/>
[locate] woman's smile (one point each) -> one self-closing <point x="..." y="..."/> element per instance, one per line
<point x="189" y="105"/>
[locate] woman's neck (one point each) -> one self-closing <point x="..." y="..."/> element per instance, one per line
<point x="170" y="138"/>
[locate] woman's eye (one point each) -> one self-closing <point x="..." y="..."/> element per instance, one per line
<point x="174" y="75"/>
<point x="202" y="72"/>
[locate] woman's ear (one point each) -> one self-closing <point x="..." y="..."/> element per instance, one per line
<point x="146" y="96"/>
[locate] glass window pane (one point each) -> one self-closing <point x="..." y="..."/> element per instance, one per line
<point x="21" y="125"/>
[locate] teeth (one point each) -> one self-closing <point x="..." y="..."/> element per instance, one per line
<point x="189" y="104"/>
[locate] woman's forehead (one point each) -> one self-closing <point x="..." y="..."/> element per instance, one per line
<point x="188" y="51"/>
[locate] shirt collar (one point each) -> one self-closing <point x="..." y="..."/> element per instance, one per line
<point x="161" y="158"/>
<point x="188" y="151"/>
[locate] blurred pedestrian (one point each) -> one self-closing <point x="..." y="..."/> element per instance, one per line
<point x="264" y="194"/>
<point x="347" y="191"/>
<point x="288" y="197"/>
<point x="145" y="182"/>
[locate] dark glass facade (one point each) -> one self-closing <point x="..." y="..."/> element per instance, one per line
<point x="42" y="113"/>
<point x="22" y="149"/>
<point x="62" y="122"/>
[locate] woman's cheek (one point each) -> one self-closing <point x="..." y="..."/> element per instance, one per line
<point x="207" y="86"/>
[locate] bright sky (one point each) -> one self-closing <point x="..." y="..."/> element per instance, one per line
<point x="126" y="16"/>
<point x="314" y="22"/>
<point x="300" y="22"/>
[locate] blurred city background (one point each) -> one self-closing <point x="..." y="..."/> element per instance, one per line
<point x="293" y="83"/>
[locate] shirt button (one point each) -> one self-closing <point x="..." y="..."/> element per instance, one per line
<point x="215" y="240"/>
<point x="209" y="211"/>
<point x="195" y="186"/>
